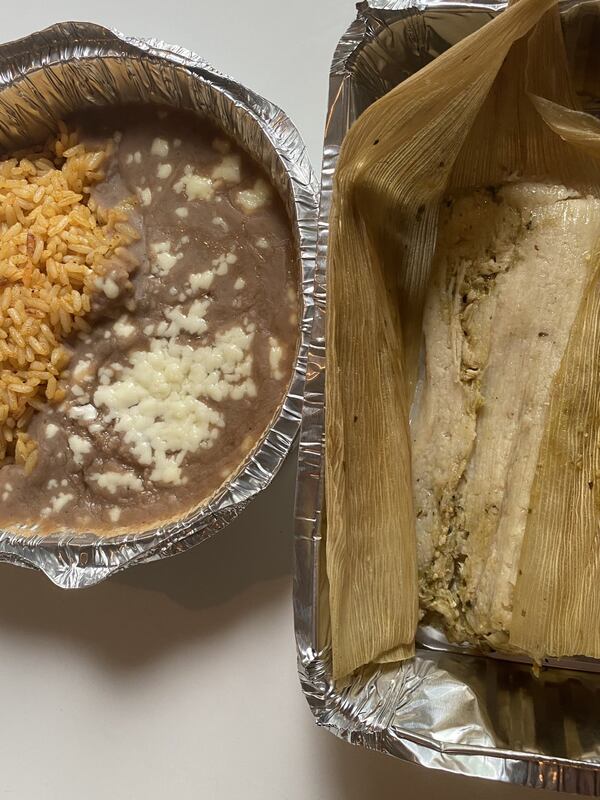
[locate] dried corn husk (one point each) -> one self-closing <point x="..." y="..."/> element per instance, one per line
<point x="466" y="120"/>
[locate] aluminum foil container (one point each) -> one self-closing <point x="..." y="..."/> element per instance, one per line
<point x="449" y="708"/>
<point x="71" y="66"/>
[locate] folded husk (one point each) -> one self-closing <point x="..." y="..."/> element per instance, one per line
<point x="556" y="607"/>
<point x="466" y="120"/>
<point x="556" y="604"/>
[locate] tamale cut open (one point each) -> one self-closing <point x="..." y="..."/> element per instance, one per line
<point x="463" y="345"/>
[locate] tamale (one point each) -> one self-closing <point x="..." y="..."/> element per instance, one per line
<point x="557" y="601"/>
<point x="392" y="171"/>
<point x="497" y="111"/>
<point x="504" y="554"/>
<point x="511" y="270"/>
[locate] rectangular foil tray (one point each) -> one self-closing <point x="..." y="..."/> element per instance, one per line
<point x="451" y="707"/>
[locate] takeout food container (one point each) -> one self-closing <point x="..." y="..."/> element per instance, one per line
<point x="71" y="66"/>
<point x="447" y="708"/>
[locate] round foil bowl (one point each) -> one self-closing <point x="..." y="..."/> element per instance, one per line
<point x="71" y="66"/>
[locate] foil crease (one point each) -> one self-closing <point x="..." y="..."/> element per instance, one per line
<point x="71" y="66"/>
<point x="448" y="708"/>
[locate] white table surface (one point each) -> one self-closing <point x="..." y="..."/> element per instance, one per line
<point x="177" y="679"/>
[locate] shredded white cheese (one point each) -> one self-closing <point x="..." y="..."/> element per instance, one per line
<point x="275" y="355"/>
<point x="239" y="284"/>
<point x="163" y="260"/>
<point x="160" y="148"/>
<point x="182" y="212"/>
<point x="249" y="200"/>
<point x="51" y="430"/>
<point x="163" y="171"/>
<point x="166" y="262"/>
<point x="112" y="481"/>
<point x="196" y="187"/>
<point x="229" y="169"/>
<point x="157" y="403"/>
<point x="60" y="501"/>
<point x="123" y="328"/>
<point x="145" y="196"/>
<point x="223" y="262"/>
<point x="85" y="413"/>
<point x="201" y="280"/>
<point x="220" y="222"/>
<point x="191" y="321"/>
<point x="81" y="371"/>
<point x="109" y="287"/>
<point x="79" y="447"/>
<point x="105" y="376"/>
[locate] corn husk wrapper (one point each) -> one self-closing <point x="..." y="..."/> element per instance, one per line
<point x="496" y="104"/>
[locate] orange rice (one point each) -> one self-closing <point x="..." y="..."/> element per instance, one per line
<point x="55" y="242"/>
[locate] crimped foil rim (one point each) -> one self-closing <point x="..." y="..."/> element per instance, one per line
<point x="80" y="560"/>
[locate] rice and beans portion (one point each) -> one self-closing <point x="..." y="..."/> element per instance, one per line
<point x="148" y="320"/>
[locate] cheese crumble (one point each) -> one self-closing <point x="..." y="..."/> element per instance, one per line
<point x="250" y="200"/>
<point x="163" y="260"/>
<point x="159" y="402"/>
<point x="79" y="447"/>
<point x="160" y="147"/>
<point x="163" y="171"/>
<point x="229" y="169"/>
<point x="111" y="481"/>
<point x="196" y="187"/>
<point x="275" y="356"/>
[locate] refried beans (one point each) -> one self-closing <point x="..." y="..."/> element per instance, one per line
<point x="193" y="332"/>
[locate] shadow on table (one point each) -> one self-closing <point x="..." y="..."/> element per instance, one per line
<point x="256" y="547"/>
<point x="145" y="612"/>
<point x="358" y="774"/>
